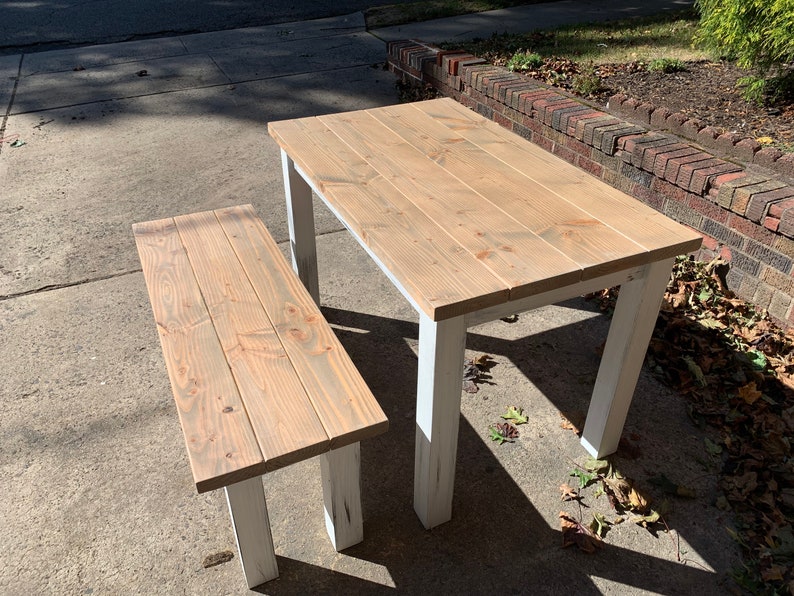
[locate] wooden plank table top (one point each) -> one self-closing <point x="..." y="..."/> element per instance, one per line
<point x="465" y="214"/>
<point x="259" y="378"/>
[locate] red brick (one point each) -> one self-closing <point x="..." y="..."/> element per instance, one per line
<point x="708" y="208"/>
<point x="659" y="117"/>
<point x="555" y="111"/>
<point x="503" y="121"/>
<point x="727" y="140"/>
<point x="527" y="99"/>
<point x="564" y="153"/>
<point x="588" y="165"/>
<point x="660" y="164"/>
<point x="674" y="164"/>
<point x="746" y="148"/>
<point x="577" y="146"/>
<point x="750" y="229"/>
<point x="777" y="209"/>
<point x="709" y="242"/>
<point x="767" y="156"/>
<point x="574" y="120"/>
<point x="722" y="178"/>
<point x="691" y="127"/>
<point x="759" y="202"/>
<point x="585" y="127"/>
<point x="785" y="164"/>
<point x="544" y="143"/>
<point x="687" y="171"/>
<point x="708" y="134"/>
<point x="702" y="177"/>
<point x="771" y="223"/>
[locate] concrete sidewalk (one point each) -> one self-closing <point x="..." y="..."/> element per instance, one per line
<point x="98" y="497"/>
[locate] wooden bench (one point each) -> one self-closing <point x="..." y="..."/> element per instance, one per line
<point x="259" y="378"/>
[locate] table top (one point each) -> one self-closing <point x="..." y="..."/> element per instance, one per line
<point x="463" y="213"/>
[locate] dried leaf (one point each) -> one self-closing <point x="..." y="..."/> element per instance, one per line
<point x="647" y="520"/>
<point x="569" y="493"/>
<point x="574" y="533"/>
<point x="749" y="393"/>
<point x="568" y="425"/>
<point x="219" y="558"/>
<point x="638" y="501"/>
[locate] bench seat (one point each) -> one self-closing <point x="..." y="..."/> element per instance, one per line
<point x="259" y="378"/>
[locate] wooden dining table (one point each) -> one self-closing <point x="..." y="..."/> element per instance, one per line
<point x="472" y="223"/>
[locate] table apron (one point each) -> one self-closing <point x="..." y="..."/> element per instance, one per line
<point x="554" y="296"/>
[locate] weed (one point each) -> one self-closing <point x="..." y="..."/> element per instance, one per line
<point x="666" y="65"/>
<point x="522" y="61"/>
<point x="587" y="82"/>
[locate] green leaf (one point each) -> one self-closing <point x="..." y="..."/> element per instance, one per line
<point x="599" y="525"/>
<point x="584" y="477"/>
<point x="515" y="415"/>
<point x="757" y="359"/>
<point x="496" y="435"/>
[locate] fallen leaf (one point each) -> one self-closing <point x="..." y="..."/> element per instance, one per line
<point x="502" y="432"/>
<point x="569" y="493"/>
<point x="584" y="477"/>
<point x="219" y="558"/>
<point x="599" y="525"/>
<point x="596" y="465"/>
<point x="638" y="501"/>
<point x="515" y="415"/>
<point x="749" y="393"/>
<point x="568" y="425"/>
<point x="574" y="533"/>
<point x="647" y="520"/>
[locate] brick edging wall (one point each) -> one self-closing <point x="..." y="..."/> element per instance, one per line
<point x="745" y="213"/>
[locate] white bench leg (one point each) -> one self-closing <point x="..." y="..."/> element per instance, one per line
<point x="252" y="530"/>
<point x="624" y="352"/>
<point x="342" y="495"/>
<point x="441" y="352"/>
<point x="300" y="214"/>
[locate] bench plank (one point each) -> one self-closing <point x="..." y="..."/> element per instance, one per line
<point x="345" y="405"/>
<point x="221" y="443"/>
<point x="425" y="262"/>
<point x="659" y="235"/>
<point x="272" y="392"/>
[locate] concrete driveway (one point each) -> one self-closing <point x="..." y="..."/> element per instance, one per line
<point x="97" y="494"/>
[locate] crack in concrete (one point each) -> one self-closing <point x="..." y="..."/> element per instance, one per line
<point x="4" y="122"/>
<point x="70" y="284"/>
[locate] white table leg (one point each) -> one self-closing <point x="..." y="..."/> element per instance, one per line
<point x="300" y="214"/>
<point x="342" y="495"/>
<point x="252" y="530"/>
<point x="624" y="352"/>
<point x="441" y="352"/>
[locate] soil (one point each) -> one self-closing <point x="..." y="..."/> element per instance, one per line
<point x="707" y="91"/>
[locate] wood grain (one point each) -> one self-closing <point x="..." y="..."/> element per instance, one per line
<point x="281" y="413"/>
<point x="426" y="262"/>
<point x="658" y="234"/>
<point x="221" y="443"/>
<point x="344" y="404"/>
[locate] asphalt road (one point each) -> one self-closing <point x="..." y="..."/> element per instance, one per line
<point x="38" y="25"/>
